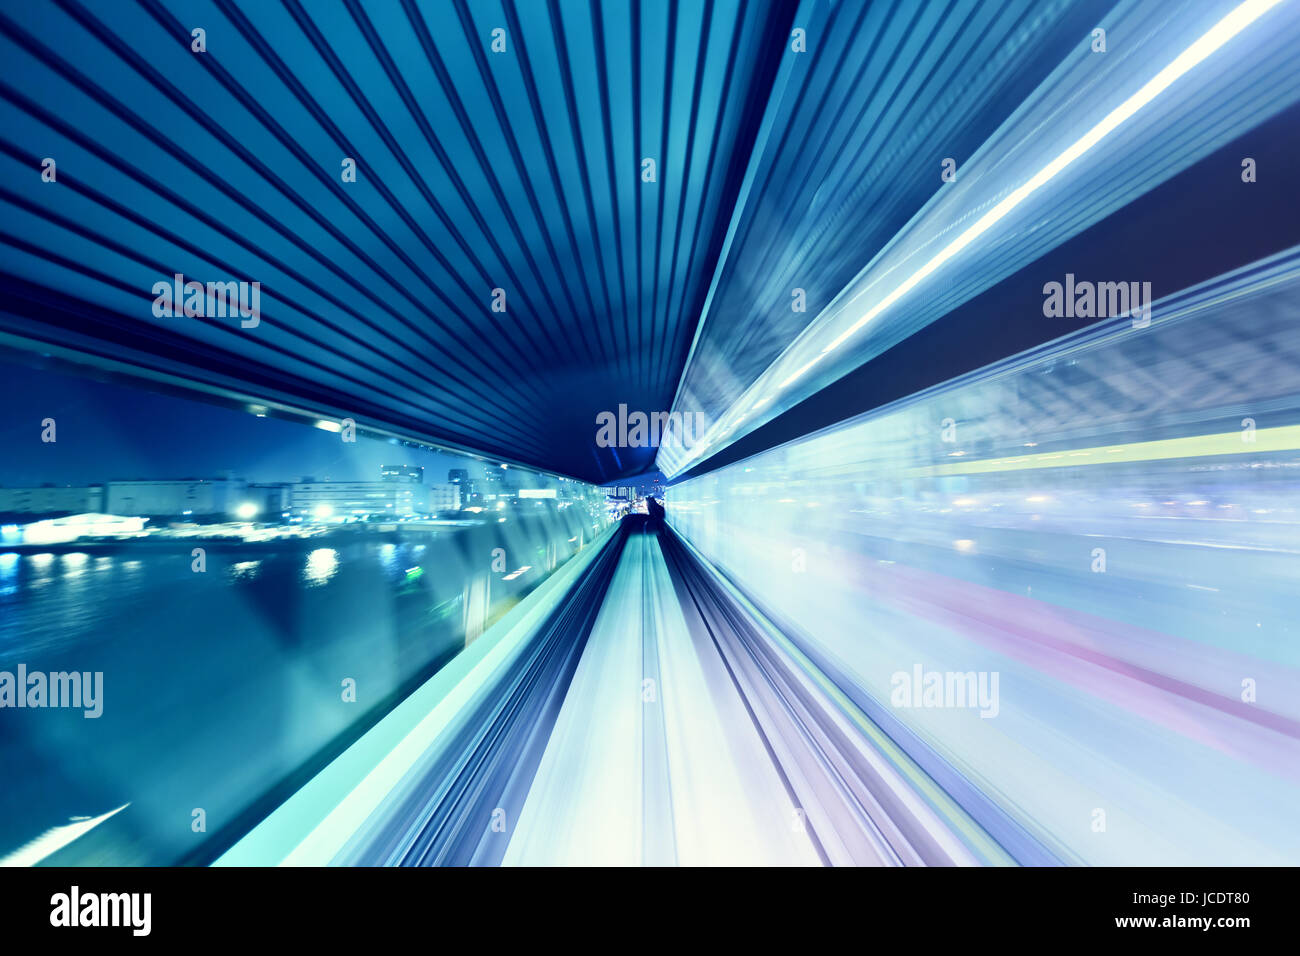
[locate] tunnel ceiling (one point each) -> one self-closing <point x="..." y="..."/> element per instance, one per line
<point x="505" y="264"/>
<point x="476" y="170"/>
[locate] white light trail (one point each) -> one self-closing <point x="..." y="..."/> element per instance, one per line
<point x="1212" y="40"/>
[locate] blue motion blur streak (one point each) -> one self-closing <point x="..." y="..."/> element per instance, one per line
<point x="1109" y="524"/>
<point x="1096" y="135"/>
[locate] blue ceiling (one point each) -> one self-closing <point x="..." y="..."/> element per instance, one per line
<point x="477" y="170"/>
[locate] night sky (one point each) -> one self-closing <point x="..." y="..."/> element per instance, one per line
<point x="108" y="431"/>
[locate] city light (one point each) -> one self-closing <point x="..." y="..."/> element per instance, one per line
<point x="247" y="511"/>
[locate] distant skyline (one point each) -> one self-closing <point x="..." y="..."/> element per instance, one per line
<point x="111" y="432"/>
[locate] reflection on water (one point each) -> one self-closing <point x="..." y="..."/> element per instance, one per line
<point x="218" y="686"/>
<point x="245" y="569"/>
<point x="321" y="565"/>
<point x="74" y="565"/>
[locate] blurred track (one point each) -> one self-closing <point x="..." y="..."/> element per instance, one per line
<point x="442" y="812"/>
<point x="654" y="759"/>
<point x="862" y="800"/>
<point x="658" y="719"/>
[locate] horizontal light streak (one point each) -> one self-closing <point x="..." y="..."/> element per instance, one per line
<point x="1267" y="440"/>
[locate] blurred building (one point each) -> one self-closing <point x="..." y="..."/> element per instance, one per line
<point x="270" y="499"/>
<point x="444" y="497"/>
<point x="411" y="473"/>
<point x="469" y="493"/>
<point x="50" y="499"/>
<point x="492" y="484"/>
<point x="196" y="497"/>
<point x="353" y="499"/>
